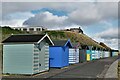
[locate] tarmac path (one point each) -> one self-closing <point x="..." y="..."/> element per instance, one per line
<point x="92" y="69"/>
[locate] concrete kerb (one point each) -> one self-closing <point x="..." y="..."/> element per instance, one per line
<point x="112" y="71"/>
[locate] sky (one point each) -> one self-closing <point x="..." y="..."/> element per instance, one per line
<point x="98" y="19"/>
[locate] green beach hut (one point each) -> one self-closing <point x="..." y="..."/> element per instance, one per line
<point x="26" y="54"/>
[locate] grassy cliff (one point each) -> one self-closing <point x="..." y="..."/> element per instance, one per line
<point x="74" y="37"/>
<point x="7" y="31"/>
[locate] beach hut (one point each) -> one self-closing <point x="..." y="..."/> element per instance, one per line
<point x="59" y="53"/>
<point x="101" y="53"/>
<point x="107" y="51"/>
<point x="115" y="52"/>
<point x="93" y="56"/>
<point x="106" y="54"/>
<point x="97" y="53"/>
<point x="74" y="53"/>
<point x="89" y="53"/>
<point x="26" y="54"/>
<point x="83" y="54"/>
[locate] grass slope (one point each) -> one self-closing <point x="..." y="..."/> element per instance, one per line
<point x="7" y="31"/>
<point x="74" y="37"/>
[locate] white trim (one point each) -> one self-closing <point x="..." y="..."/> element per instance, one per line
<point x="44" y="37"/>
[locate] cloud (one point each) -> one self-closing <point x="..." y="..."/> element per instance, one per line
<point x="110" y="37"/>
<point x="105" y="10"/>
<point x="111" y="33"/>
<point x="61" y="1"/>
<point x="48" y="20"/>
<point x="16" y="19"/>
<point x="85" y="13"/>
<point x="107" y="0"/>
<point x="87" y="16"/>
<point x="94" y="13"/>
<point x="112" y="43"/>
<point x="11" y="7"/>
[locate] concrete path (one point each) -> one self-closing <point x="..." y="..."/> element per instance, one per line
<point x="112" y="71"/>
<point x="92" y="69"/>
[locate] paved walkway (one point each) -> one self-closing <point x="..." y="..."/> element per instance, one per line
<point x="91" y="69"/>
<point x="112" y="71"/>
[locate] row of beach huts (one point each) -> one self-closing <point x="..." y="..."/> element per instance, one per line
<point x="31" y="54"/>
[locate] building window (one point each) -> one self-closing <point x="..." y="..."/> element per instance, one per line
<point x="31" y="29"/>
<point x="21" y="29"/>
<point x="16" y="29"/>
<point x="24" y="29"/>
<point x="38" y="29"/>
<point x="43" y="29"/>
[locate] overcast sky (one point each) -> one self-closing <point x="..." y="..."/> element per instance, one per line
<point x="98" y="20"/>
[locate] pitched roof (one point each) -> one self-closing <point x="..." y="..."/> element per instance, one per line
<point x="27" y="38"/>
<point x="23" y="38"/>
<point x="62" y="43"/>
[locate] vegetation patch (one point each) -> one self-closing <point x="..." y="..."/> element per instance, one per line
<point x="7" y="31"/>
<point x="74" y="37"/>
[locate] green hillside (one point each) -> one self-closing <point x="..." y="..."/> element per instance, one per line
<point x="7" y="31"/>
<point x="74" y="37"/>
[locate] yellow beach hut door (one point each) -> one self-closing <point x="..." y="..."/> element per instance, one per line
<point x="88" y="57"/>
